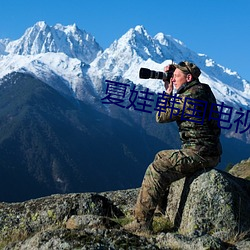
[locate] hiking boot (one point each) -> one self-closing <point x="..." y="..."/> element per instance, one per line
<point x="140" y="227"/>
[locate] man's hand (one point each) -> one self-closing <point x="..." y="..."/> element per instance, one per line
<point x="168" y="85"/>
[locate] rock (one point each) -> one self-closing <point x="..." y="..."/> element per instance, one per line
<point x="124" y="199"/>
<point x="243" y="245"/>
<point x="178" y="241"/>
<point x="90" y="221"/>
<point x="20" y="220"/>
<point x="241" y="169"/>
<point x="63" y="239"/>
<point x="212" y="202"/>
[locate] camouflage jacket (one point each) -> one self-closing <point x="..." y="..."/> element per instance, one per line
<point x="190" y="108"/>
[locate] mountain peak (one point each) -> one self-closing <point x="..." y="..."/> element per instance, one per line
<point x="140" y="29"/>
<point x="165" y="39"/>
<point x="41" y="24"/>
<point x="42" y="38"/>
<point x="69" y="28"/>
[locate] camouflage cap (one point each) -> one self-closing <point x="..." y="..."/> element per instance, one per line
<point x="189" y="68"/>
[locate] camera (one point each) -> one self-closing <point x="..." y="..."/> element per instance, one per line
<point x="145" y="73"/>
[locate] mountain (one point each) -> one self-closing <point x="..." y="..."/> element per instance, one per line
<point x="63" y="73"/>
<point x="137" y="49"/>
<point x="52" y="54"/>
<point x="50" y="143"/>
<point x="41" y="38"/>
<point x="58" y="136"/>
<point x="71" y="54"/>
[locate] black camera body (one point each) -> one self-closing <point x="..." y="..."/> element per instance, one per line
<point x="145" y="73"/>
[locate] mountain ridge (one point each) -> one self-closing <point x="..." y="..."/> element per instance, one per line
<point x="149" y="52"/>
<point x="42" y="38"/>
<point x="135" y="49"/>
<point x="55" y="144"/>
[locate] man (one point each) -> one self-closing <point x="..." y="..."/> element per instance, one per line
<point x="194" y="109"/>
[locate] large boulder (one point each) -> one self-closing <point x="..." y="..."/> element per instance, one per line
<point x="210" y="202"/>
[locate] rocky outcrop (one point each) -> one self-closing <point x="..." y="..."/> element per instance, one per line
<point x="211" y="202"/>
<point x="241" y="169"/>
<point x="209" y="210"/>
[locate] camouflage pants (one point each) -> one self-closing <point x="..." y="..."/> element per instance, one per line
<point x="167" y="167"/>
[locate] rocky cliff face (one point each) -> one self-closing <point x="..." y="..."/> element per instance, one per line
<point x="207" y="211"/>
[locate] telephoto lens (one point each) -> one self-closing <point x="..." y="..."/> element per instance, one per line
<point x="147" y="73"/>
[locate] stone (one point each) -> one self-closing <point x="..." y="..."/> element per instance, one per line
<point x="211" y="202"/>
<point x="20" y="220"/>
<point x="84" y="239"/>
<point x="243" y="245"/>
<point x="178" y="241"/>
<point x="241" y="169"/>
<point x="90" y="221"/>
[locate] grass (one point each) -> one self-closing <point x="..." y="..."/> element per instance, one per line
<point x="123" y="220"/>
<point x="160" y="223"/>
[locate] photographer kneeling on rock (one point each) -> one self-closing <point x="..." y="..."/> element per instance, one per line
<point x="199" y="135"/>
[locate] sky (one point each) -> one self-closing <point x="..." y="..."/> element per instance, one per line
<point x="217" y="28"/>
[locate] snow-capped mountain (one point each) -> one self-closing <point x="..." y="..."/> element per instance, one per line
<point x="137" y="49"/>
<point x="73" y="55"/>
<point x="63" y="73"/>
<point x="70" y="40"/>
<point x="57" y="55"/>
<point x="3" y="43"/>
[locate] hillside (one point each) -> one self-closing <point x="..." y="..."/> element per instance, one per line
<point x="50" y="143"/>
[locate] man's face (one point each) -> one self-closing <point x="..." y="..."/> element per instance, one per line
<point x="179" y="78"/>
